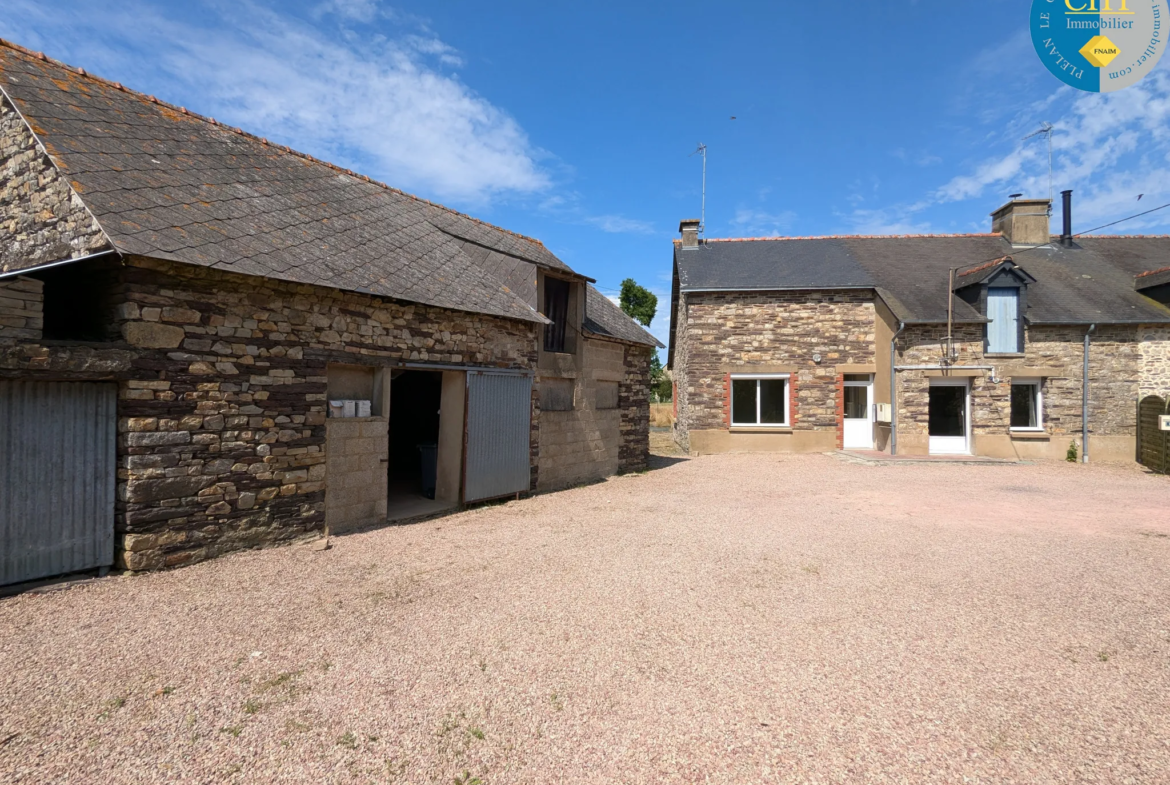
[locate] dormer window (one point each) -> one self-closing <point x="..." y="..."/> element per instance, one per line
<point x="998" y="290"/>
<point x="1003" y="320"/>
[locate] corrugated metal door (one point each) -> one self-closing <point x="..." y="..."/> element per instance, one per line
<point x="499" y="422"/>
<point x="1003" y="306"/>
<point x="57" y="475"/>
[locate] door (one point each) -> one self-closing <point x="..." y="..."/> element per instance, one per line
<point x="499" y="427"/>
<point x="949" y="417"/>
<point x="57" y="476"/>
<point x="858" y="412"/>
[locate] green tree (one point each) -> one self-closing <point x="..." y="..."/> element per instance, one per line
<point x="660" y="384"/>
<point x="639" y="303"/>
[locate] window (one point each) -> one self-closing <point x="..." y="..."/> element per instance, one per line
<point x="607" y="395"/>
<point x="556" y="395"/>
<point x="857" y="396"/>
<point x="80" y="301"/>
<point x="1003" y="328"/>
<point x="556" y="308"/>
<point x="1027" y="405"/>
<point x="759" y="400"/>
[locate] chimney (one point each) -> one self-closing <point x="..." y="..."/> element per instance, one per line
<point x="1023" y="221"/>
<point x="1066" y="236"/>
<point x="690" y="232"/>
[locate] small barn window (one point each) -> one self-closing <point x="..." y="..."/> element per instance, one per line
<point x="556" y="308"/>
<point x="607" y="395"/>
<point x="79" y="301"/>
<point x="759" y="400"/>
<point x="556" y="395"/>
<point x="1027" y="405"/>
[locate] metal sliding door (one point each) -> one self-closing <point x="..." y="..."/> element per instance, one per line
<point x="57" y="476"/>
<point x="499" y="427"/>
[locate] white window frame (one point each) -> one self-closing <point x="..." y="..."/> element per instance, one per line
<point x="757" y="377"/>
<point x="1039" y="384"/>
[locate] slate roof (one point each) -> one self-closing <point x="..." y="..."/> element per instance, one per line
<point x="1152" y="278"/>
<point x="1093" y="282"/>
<point x="604" y="318"/>
<point x="166" y="183"/>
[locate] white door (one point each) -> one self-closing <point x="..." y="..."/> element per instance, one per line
<point x="949" y="417"/>
<point x="858" y="412"/>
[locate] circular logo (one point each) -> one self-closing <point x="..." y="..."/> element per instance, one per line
<point x="1099" y="45"/>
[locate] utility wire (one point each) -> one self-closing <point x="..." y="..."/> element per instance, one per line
<point x="1015" y="251"/>
<point x="1123" y="220"/>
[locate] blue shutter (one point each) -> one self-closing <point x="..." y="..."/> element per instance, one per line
<point x="1003" y="305"/>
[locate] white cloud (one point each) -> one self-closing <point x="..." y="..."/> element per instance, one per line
<point x="760" y="223"/>
<point x="357" y="10"/>
<point x="383" y="106"/>
<point x="616" y="224"/>
<point x="1108" y="148"/>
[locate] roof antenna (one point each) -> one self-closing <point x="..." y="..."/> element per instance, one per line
<point x="1046" y="130"/>
<point x="702" y="150"/>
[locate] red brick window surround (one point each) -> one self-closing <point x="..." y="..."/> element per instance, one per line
<point x="727" y="400"/>
<point x="840" y="411"/>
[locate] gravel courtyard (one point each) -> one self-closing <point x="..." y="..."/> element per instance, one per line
<point x="738" y="618"/>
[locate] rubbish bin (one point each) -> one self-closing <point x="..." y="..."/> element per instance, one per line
<point x="429" y="456"/>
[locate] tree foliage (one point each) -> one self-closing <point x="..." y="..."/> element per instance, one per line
<point x="639" y="303"/>
<point x="661" y="388"/>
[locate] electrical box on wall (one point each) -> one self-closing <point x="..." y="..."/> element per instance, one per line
<point x="882" y="412"/>
<point x="1164" y="422"/>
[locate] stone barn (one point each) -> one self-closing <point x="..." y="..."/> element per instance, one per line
<point x="210" y="342"/>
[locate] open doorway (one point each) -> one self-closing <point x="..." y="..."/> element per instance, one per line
<point x="949" y="417"/>
<point x="416" y="399"/>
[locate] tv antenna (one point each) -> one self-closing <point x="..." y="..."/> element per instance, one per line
<point x="702" y="150"/>
<point x="1046" y="129"/>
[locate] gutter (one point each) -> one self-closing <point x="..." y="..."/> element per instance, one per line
<point x="47" y="265"/>
<point x="894" y="389"/>
<point x="1085" y="399"/>
<point x="828" y="287"/>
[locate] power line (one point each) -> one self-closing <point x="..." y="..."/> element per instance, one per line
<point x="1078" y="234"/>
<point x="1123" y="220"/>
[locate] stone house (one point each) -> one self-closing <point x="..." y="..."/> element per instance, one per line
<point x="182" y="304"/>
<point x="1012" y="344"/>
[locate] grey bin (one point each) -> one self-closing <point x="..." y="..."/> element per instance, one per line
<point x="429" y="456"/>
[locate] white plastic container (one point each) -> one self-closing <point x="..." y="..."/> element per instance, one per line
<point x="349" y="408"/>
<point x="363" y="408"/>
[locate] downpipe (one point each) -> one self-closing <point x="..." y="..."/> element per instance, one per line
<point x="1085" y="399"/>
<point x="894" y="389"/>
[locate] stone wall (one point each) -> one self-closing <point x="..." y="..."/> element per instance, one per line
<point x="634" y="403"/>
<point x="1154" y="349"/>
<point x="21" y="309"/>
<point x="719" y="334"/>
<point x="1052" y="353"/>
<point x="355" y="470"/>
<point x="221" y="413"/>
<point x="41" y="218"/>
<point x="584" y="443"/>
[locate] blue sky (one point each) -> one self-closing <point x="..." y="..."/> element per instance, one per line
<point x="574" y="123"/>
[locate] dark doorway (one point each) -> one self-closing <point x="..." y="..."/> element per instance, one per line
<point x="415" y="399"/>
<point x="948" y="411"/>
